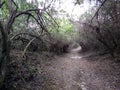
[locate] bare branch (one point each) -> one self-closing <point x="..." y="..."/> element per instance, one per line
<point x="27" y="46"/>
<point x="98" y="9"/>
<point x="47" y="6"/>
<point x="37" y="37"/>
<point x="52" y="18"/>
<point x="15" y="4"/>
<point x="1" y="4"/>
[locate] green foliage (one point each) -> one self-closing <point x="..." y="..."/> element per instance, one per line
<point x="23" y="4"/>
<point x="4" y="12"/>
<point x="32" y="70"/>
<point x="79" y="2"/>
<point x="65" y="26"/>
<point x="65" y="29"/>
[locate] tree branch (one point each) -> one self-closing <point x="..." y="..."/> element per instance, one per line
<point x="27" y="46"/>
<point x="98" y="9"/>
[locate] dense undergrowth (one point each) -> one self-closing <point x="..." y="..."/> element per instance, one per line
<point x="21" y="71"/>
<point x="101" y="32"/>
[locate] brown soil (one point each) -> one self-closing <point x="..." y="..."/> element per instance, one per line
<point x="73" y="71"/>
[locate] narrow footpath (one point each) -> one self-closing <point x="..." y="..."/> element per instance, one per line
<point x="72" y="71"/>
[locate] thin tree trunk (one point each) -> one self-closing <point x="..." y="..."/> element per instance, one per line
<point x="5" y="54"/>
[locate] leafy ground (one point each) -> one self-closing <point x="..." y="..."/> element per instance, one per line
<point x="71" y="71"/>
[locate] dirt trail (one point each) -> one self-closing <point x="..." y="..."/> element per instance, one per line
<point x="72" y="72"/>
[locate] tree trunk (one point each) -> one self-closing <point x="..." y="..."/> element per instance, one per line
<point x="5" y="54"/>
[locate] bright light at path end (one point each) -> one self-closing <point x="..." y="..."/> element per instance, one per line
<point x="76" y="10"/>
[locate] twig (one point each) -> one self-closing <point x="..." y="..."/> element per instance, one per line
<point x="27" y="46"/>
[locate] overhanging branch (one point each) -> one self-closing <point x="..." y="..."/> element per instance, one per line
<point x="96" y="13"/>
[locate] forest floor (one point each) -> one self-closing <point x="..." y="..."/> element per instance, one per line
<point x="74" y="71"/>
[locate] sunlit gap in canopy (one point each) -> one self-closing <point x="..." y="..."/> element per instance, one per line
<point x="71" y="10"/>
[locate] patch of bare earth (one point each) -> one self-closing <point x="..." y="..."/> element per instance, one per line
<point x="74" y="72"/>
